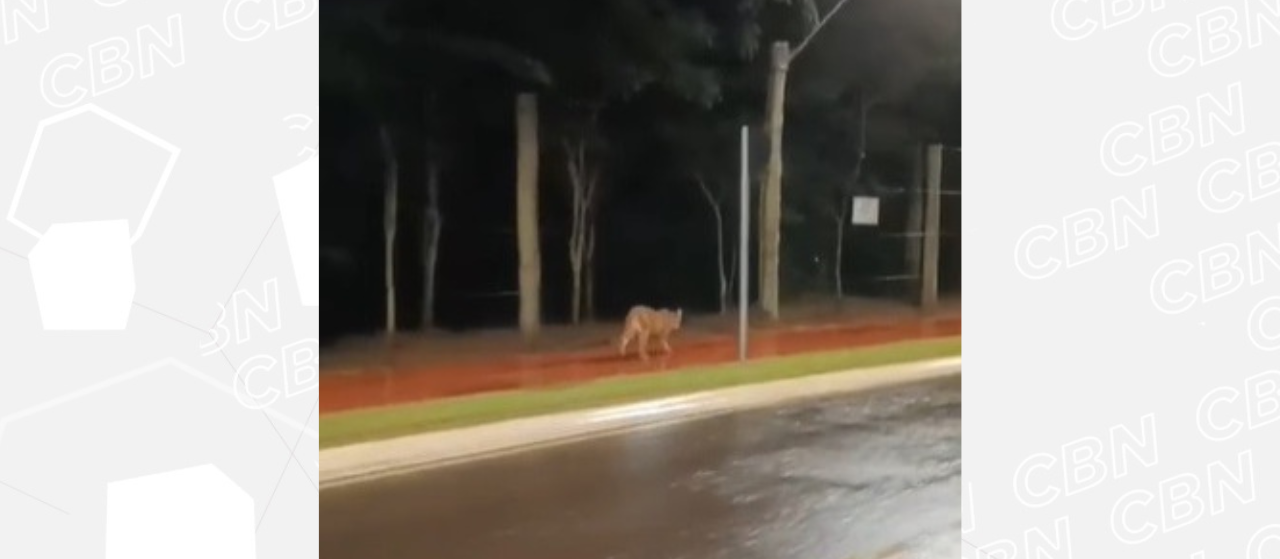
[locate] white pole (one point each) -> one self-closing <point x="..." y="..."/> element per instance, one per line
<point x="744" y="214"/>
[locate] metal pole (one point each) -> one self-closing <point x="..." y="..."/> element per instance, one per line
<point x="744" y="214"/>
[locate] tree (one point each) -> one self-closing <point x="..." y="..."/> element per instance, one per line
<point x="780" y="57"/>
<point x="864" y="123"/>
<point x="847" y="187"/>
<point x="355" y="59"/>
<point x="928" y="34"/>
<point x="391" y="206"/>
<point x="741" y="29"/>
<point x="715" y="196"/>
<point x="705" y="148"/>
<point x="900" y="106"/>
<point x="610" y="58"/>
<point x="387" y="60"/>
<point x="433" y="214"/>
<point x="868" y="106"/>
<point x="604" y="55"/>
<point x="771" y="189"/>
<point x="854" y="111"/>
<point x="584" y="180"/>
<point x="446" y="60"/>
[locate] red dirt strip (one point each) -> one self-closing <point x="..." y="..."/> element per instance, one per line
<point x="372" y="387"/>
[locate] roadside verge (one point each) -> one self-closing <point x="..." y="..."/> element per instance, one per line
<point x="372" y="423"/>
<point x="357" y="462"/>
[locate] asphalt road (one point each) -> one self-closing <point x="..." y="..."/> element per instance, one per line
<point x="869" y="475"/>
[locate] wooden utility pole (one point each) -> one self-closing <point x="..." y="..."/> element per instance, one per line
<point x="932" y="224"/>
<point x="527" y="214"/>
<point x="915" y="218"/>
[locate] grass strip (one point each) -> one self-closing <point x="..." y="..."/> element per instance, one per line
<point x="393" y="421"/>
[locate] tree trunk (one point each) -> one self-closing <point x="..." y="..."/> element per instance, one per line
<point x="576" y="246"/>
<point x="724" y="280"/>
<point x="719" y="222"/>
<point x="573" y="164"/>
<point x="527" y="214"/>
<point x="771" y="193"/>
<point x="582" y="184"/>
<point x="845" y="203"/>
<point x="576" y="304"/>
<point x="839" y="261"/>
<point x="391" y="182"/>
<point x="730" y="284"/>
<point x="433" y="223"/>
<point x="863" y="107"/>
<point x="589" y="297"/>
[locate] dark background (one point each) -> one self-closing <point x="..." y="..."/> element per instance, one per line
<point x="656" y="241"/>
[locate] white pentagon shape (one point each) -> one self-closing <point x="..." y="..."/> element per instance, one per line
<point x="171" y="151"/>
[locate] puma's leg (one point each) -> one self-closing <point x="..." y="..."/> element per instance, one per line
<point x="625" y="341"/>
<point x="644" y="346"/>
<point x="666" y="345"/>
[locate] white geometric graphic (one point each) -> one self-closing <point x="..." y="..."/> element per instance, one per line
<point x="194" y="513"/>
<point x="83" y="272"/>
<point x="298" y="191"/>
<point x="1152" y="242"/>
<point x="154" y="367"/>
<point x="302" y="123"/>
<point x="99" y="95"/>
<point x="83" y="275"/>
<point x="124" y="124"/>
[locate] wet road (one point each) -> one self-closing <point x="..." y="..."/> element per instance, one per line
<point x="869" y="475"/>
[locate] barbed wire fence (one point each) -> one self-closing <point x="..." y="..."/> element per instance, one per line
<point x="887" y="253"/>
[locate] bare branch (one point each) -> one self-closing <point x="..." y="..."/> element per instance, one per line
<point x="593" y="179"/>
<point x="702" y="185"/>
<point x="836" y="212"/>
<point x="816" y="29"/>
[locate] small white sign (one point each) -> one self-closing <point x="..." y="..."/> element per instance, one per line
<point x="866" y="210"/>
